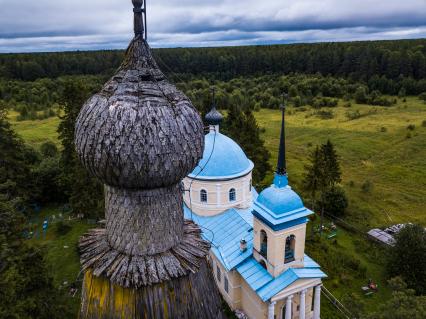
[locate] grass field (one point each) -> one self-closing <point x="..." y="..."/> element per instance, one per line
<point x="376" y="147"/>
<point x="38" y="131"/>
<point x="392" y="160"/>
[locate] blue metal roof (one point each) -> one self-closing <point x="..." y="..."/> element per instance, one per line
<point x="286" y="279"/>
<point x="225" y="231"/>
<point x="254" y="274"/>
<point x="267" y="286"/>
<point x="226" y="161"/>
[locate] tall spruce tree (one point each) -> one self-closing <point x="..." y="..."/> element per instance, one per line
<point x="85" y="193"/>
<point x="15" y="164"/>
<point x="331" y="168"/>
<point x="313" y="175"/>
<point x="243" y="128"/>
<point x="322" y="175"/>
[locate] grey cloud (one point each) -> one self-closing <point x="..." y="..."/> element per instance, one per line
<point x="49" y="25"/>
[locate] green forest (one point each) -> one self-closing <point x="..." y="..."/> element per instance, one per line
<point x="362" y="102"/>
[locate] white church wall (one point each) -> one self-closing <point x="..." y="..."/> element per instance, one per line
<point x="218" y="195"/>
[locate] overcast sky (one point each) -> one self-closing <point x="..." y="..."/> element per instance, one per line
<point x="58" y="25"/>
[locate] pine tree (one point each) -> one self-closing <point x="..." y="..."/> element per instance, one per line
<point x="15" y="163"/>
<point x="331" y="170"/>
<point x="85" y="193"/>
<point x="322" y="175"/>
<point x="313" y="175"/>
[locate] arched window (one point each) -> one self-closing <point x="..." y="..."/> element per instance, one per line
<point x="263" y="244"/>
<point x="232" y="195"/>
<point x="250" y="185"/>
<point x="290" y="244"/>
<point x="203" y="196"/>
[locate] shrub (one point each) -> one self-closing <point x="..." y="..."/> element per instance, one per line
<point x="334" y="201"/>
<point x="361" y="95"/>
<point x="424" y="123"/>
<point x="367" y="187"/>
<point x="353" y="115"/>
<point x="319" y="102"/>
<point x="325" y="115"/>
<point x="408" y="135"/>
<point x="376" y="98"/>
<point x="62" y="228"/>
<point x="422" y="96"/>
<point x="402" y="93"/>
<point x="411" y="127"/>
<point x="49" y="149"/>
<point x="297" y="101"/>
<point x="383" y="129"/>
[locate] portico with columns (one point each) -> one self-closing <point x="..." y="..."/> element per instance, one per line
<point x="258" y="240"/>
<point x="289" y="305"/>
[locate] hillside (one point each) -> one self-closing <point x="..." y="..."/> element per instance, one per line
<point x="392" y="161"/>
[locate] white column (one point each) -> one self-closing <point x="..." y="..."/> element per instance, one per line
<point x="302" y="308"/>
<point x="288" y="304"/>
<point x="317" y="302"/>
<point x="218" y="195"/>
<point x="271" y="310"/>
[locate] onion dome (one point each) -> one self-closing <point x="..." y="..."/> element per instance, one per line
<point x="280" y="200"/>
<point x="140" y="136"/>
<point x="139" y="131"/>
<point x="214" y="117"/>
<point x="223" y="158"/>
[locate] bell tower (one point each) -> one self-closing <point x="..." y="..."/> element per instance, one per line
<point x="279" y="221"/>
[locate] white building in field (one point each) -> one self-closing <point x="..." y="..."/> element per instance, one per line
<point x="258" y="240"/>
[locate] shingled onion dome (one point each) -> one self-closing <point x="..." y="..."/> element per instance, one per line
<point x="141" y="136"/>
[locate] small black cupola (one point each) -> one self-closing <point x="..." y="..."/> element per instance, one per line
<point x="214" y="117"/>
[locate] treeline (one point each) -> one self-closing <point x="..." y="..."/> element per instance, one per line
<point x="42" y="98"/>
<point x="265" y="91"/>
<point x="32" y="66"/>
<point x="385" y="64"/>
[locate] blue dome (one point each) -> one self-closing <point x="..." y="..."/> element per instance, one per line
<point x="227" y="160"/>
<point x="280" y="200"/>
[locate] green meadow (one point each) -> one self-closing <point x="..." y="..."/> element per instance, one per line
<point x="385" y="147"/>
<point x="36" y="132"/>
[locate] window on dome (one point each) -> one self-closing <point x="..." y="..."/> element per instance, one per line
<point x="263" y="244"/>
<point x="203" y="196"/>
<point x="232" y="195"/>
<point x="290" y="244"/>
<point x="250" y="186"/>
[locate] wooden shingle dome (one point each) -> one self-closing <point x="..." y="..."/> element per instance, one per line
<point x="139" y="131"/>
<point x="141" y="136"/>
